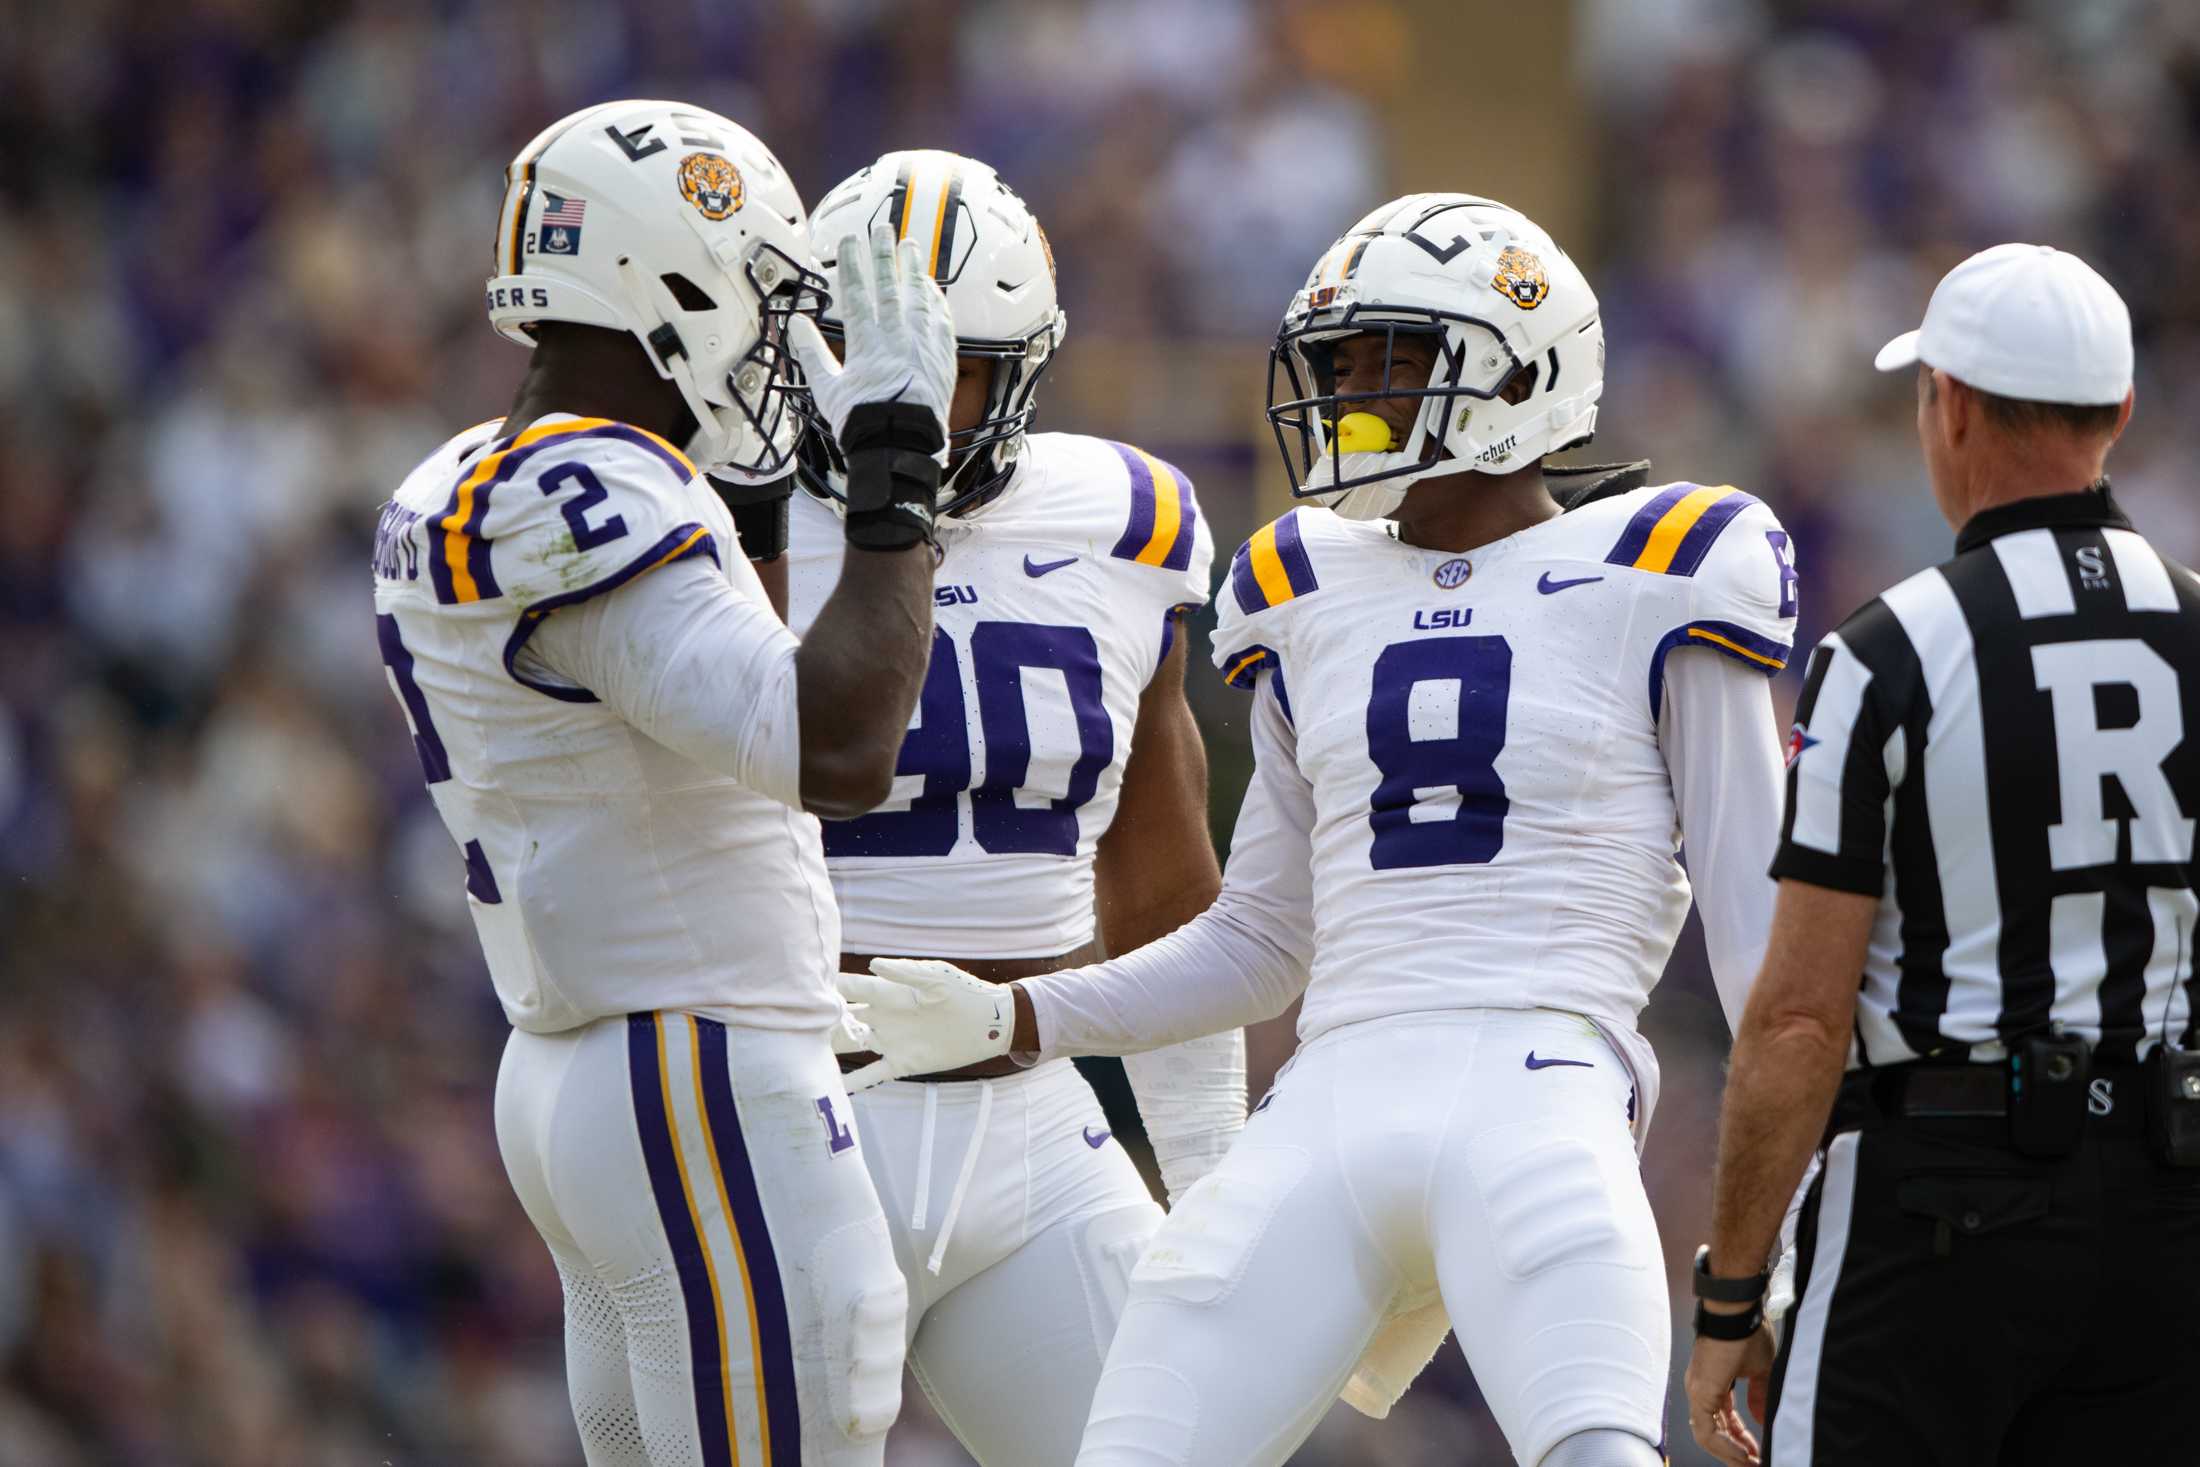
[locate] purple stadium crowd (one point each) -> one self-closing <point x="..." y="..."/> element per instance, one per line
<point x="251" y="1210"/>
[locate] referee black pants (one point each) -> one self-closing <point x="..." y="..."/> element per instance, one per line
<point x="1961" y="1305"/>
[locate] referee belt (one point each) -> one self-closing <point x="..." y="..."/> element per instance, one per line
<point x="2116" y="1096"/>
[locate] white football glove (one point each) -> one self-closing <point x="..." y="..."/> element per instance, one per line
<point x="897" y="340"/>
<point x="926" y="1017"/>
<point x="851" y="1035"/>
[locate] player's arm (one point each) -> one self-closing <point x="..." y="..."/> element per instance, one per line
<point x="857" y="675"/>
<point x="862" y="664"/>
<point x="1717" y="732"/>
<point x="1155" y="871"/>
<point x="759" y="513"/>
<point x="713" y="673"/>
<point x="1241" y="961"/>
<point x="772" y="575"/>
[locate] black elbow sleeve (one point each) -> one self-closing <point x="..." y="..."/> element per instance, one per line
<point x="759" y="515"/>
<point x="893" y="476"/>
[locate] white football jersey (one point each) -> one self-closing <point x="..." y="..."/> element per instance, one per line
<point x="606" y="873"/>
<point x="1476" y="739"/>
<point x="1053" y="607"/>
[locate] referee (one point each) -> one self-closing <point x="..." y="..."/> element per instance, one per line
<point x="1978" y="990"/>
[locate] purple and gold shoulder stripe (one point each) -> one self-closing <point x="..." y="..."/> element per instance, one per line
<point x="1163" y="515"/>
<point x="1673" y="533"/>
<point x="1272" y="567"/>
<point x="458" y="560"/>
<point x="1752" y="649"/>
<point x="1242" y="670"/>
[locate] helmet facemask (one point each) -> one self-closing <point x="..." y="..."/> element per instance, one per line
<point x="1517" y="372"/>
<point x="748" y="410"/>
<point x="991" y="259"/>
<point x="980" y="458"/>
<point x="1473" y="368"/>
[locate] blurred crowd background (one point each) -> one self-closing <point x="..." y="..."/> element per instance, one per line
<point x="251" y="1210"/>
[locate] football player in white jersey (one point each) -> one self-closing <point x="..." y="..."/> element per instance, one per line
<point x="1050" y="807"/>
<point x="624" y="741"/>
<point x="1483" y="724"/>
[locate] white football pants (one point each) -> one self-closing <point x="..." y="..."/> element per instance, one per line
<point x="1017" y="1219"/>
<point x="730" y="1293"/>
<point x="1480" y="1155"/>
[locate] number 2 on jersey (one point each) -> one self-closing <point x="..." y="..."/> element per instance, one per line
<point x="1435" y="726"/>
<point x="937" y="747"/>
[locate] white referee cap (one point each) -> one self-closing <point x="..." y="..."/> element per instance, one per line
<point x="2024" y="321"/>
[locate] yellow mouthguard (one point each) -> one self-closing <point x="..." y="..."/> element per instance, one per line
<point x="1364" y="433"/>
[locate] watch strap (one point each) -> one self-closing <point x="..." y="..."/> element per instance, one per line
<point x="1718" y="1290"/>
<point x="1729" y="1326"/>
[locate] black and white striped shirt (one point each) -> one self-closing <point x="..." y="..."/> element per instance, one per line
<point x="1998" y="749"/>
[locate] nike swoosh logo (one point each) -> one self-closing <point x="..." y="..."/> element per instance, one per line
<point x="1548" y="586"/>
<point x="1096" y="1139"/>
<point x="1536" y="1064"/>
<point x="1037" y="568"/>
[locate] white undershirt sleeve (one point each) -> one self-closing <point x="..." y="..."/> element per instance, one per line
<point x="1242" y="960"/>
<point x="685" y="657"/>
<point x="1191" y="1098"/>
<point x="1722" y="752"/>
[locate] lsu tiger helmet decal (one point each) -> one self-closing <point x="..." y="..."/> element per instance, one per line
<point x="1520" y="278"/>
<point x="993" y="262"/>
<point x="711" y="184"/>
<point x="695" y="241"/>
<point x="1517" y="340"/>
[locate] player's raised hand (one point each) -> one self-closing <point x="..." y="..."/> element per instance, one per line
<point x="926" y="1017"/>
<point x="897" y="344"/>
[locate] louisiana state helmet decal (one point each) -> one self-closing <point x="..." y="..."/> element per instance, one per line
<point x="711" y="184"/>
<point x="1520" y="278"/>
<point x="1045" y="249"/>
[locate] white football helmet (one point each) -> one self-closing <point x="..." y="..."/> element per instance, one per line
<point x="678" y="225"/>
<point x="1499" y="299"/>
<point x="992" y="260"/>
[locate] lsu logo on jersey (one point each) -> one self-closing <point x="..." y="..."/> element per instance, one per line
<point x="711" y="184"/>
<point x="1520" y="278"/>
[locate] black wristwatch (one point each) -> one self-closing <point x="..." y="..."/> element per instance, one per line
<point x="1750" y="1291"/>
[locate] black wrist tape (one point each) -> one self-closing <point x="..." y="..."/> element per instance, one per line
<point x="893" y="478"/>
<point x="759" y="515"/>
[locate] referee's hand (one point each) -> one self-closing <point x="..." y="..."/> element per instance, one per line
<point x="1713" y="1368"/>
